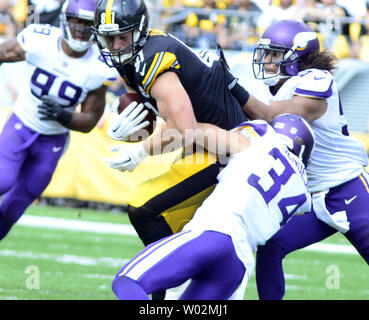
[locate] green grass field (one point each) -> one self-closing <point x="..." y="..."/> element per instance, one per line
<point x="75" y="264"/>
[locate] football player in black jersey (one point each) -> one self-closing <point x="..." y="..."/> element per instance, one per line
<point x="185" y="88"/>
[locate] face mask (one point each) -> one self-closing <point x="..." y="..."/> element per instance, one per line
<point x="271" y="82"/>
<point x="75" y="45"/>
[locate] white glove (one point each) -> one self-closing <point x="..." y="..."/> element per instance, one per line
<point x="130" y="156"/>
<point x="122" y="125"/>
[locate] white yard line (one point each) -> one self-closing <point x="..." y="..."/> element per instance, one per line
<point x="294" y="276"/>
<point x="66" y="258"/>
<point x="331" y="248"/>
<point x="115" y="228"/>
<point x="70" y="224"/>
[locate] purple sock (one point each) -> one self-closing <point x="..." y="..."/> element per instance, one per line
<point x="269" y="272"/>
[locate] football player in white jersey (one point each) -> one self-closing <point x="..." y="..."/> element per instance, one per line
<point x="300" y="80"/>
<point x="262" y="186"/>
<point x="64" y="70"/>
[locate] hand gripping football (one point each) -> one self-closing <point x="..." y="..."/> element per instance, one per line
<point x="124" y="101"/>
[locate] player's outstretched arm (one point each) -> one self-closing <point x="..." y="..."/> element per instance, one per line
<point x="308" y="108"/>
<point x="220" y="141"/>
<point x="11" y="51"/>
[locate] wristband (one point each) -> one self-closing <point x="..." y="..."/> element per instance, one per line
<point x="139" y="153"/>
<point x="64" y="117"/>
<point x="240" y="93"/>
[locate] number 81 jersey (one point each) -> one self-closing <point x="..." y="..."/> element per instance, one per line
<point x="49" y="71"/>
<point x="200" y="73"/>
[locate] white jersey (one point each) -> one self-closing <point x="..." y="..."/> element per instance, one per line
<point x="51" y="72"/>
<point x="337" y="157"/>
<point x="258" y="191"/>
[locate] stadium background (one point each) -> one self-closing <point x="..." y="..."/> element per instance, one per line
<point x="83" y="179"/>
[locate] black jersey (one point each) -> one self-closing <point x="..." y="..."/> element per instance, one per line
<point x="201" y="74"/>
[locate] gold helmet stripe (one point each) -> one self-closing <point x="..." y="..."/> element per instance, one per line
<point x="108" y="16"/>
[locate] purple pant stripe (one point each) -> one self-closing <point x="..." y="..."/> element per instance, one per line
<point x="149" y="250"/>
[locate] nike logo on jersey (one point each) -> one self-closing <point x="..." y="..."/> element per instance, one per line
<point x="347" y="202"/>
<point x="142" y="72"/>
<point x="318" y="78"/>
<point x="56" y="149"/>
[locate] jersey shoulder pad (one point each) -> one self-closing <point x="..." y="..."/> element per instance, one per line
<point x="157" y="32"/>
<point x="34" y="36"/>
<point x="314" y="83"/>
<point x="253" y="129"/>
<point x="152" y="62"/>
<point x="110" y="74"/>
<point x="99" y="72"/>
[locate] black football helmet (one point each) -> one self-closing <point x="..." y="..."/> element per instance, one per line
<point x="117" y="17"/>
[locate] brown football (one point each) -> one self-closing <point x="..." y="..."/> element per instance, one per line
<point x="124" y="100"/>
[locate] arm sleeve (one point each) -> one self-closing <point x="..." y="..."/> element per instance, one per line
<point x="31" y="37"/>
<point x="102" y="75"/>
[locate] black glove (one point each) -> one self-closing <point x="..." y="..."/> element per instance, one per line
<point x="51" y="110"/>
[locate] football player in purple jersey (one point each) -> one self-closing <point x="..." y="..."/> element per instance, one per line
<point x="63" y="70"/>
<point x="288" y="59"/>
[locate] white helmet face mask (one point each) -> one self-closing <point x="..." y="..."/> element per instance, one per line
<point x="77" y="45"/>
<point x="272" y="80"/>
<point x="262" y="53"/>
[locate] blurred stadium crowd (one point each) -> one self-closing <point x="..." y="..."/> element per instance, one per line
<point x="343" y="25"/>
